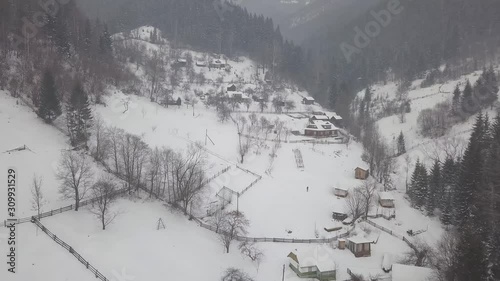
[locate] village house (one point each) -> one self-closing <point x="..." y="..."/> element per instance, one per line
<point x="386" y="199"/>
<point x="181" y="62"/>
<point x="320" y="128"/>
<point x="238" y="96"/>
<point x="339" y="213"/>
<point x="322" y="117"/>
<point x="341" y="191"/>
<point x="217" y="63"/>
<point x="336" y="120"/>
<point x="313" y="263"/>
<point x="359" y="246"/>
<point x="308" y="100"/>
<point x="361" y="173"/>
<point x="231" y="88"/>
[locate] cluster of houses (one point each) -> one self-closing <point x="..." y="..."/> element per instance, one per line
<point x="319" y="262"/>
<point x="322" y="125"/>
<point x="214" y="63"/>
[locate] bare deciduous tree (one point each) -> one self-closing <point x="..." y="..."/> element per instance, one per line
<point x="252" y="251"/>
<point x="233" y="274"/>
<point x="37" y="198"/>
<point x="102" y="145"/>
<point x="104" y="193"/>
<point x="244" y="143"/>
<point x="367" y="192"/>
<point x="443" y="257"/>
<point x="235" y="224"/>
<point x="354" y="203"/>
<point x="76" y="175"/>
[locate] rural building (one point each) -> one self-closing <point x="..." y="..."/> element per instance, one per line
<point x="339" y="212"/>
<point x="217" y="63"/>
<point x="231" y="88"/>
<point x="201" y="63"/>
<point x="313" y="263"/>
<point x="401" y="272"/>
<point x="341" y="191"/>
<point x="386" y="199"/>
<point x="308" y="100"/>
<point x="322" y="117"/>
<point x="319" y="128"/>
<point x="361" y="173"/>
<point x="359" y="246"/>
<point x="239" y="96"/>
<point x="337" y="120"/>
<point x="181" y="62"/>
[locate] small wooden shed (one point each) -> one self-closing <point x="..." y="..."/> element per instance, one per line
<point x="386" y="199"/>
<point x="361" y="173"/>
<point x="359" y="246"/>
<point x="341" y="191"/>
<point x="308" y="100"/>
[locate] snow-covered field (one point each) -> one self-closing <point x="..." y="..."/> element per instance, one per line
<point x="287" y="201"/>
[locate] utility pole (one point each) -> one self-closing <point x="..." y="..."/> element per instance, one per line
<point x="283" y="276"/>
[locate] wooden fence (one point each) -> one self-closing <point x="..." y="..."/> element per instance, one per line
<point x="64" y="209"/>
<point x="277" y="240"/>
<point x="218" y="174"/>
<point x="410" y="244"/>
<point x="70" y="249"/>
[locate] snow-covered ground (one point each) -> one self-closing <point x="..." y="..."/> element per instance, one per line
<point x="287" y="201"/>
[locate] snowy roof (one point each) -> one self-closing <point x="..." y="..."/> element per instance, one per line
<point x="321" y="125"/>
<point x="366" y="168"/>
<point x="386" y="196"/>
<point x="320" y="117"/>
<point x="342" y="188"/>
<point x="401" y="272"/>
<point x="336" y="116"/>
<point x="319" y="256"/>
<point x="339" y="207"/>
<point x="308" y="98"/>
<point x="359" y="239"/>
<point x="231" y="94"/>
<point x="181" y="60"/>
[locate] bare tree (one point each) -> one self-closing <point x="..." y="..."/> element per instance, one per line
<point x="189" y="176"/>
<point x="251" y="251"/>
<point x="104" y="193"/>
<point x="233" y="274"/>
<point x="115" y="138"/>
<point x="235" y="224"/>
<point x="37" y="198"/>
<point x="289" y="105"/>
<point x="244" y="143"/>
<point x="133" y="153"/>
<point x="218" y="218"/>
<point x="354" y="203"/>
<point x="443" y="257"/>
<point x="367" y="192"/>
<point x="76" y="175"/>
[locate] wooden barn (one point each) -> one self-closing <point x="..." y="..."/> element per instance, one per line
<point x="231" y="88"/>
<point x="361" y="173"/>
<point x="359" y="246"/>
<point x="341" y="191"/>
<point x="386" y="199"/>
<point x="308" y="100"/>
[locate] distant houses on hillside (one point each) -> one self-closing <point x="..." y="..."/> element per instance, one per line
<point x="321" y="128"/>
<point x="308" y="100"/>
<point x="317" y="262"/>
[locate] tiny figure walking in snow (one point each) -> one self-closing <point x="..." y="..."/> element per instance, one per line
<point x="307" y="189"/>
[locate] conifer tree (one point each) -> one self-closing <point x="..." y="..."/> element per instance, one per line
<point x="467" y="97"/>
<point x="435" y="191"/>
<point x="418" y="187"/>
<point x="50" y="107"/>
<point x="79" y="115"/>
<point x="401" y="144"/>
<point x="456" y="100"/>
<point x="105" y="42"/>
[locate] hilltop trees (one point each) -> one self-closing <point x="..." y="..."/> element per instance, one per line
<point x="79" y="116"/>
<point x="401" y="144"/>
<point x="50" y="107"/>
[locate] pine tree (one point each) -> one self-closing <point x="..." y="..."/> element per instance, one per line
<point x="470" y="174"/>
<point x="467" y="99"/>
<point x="79" y="116"/>
<point x="401" y="144"/>
<point x="435" y="191"/>
<point x="470" y="262"/>
<point x="332" y="95"/>
<point x="87" y="37"/>
<point x="456" y="100"/>
<point x="105" y="42"/>
<point x="50" y="107"/>
<point x="418" y="186"/>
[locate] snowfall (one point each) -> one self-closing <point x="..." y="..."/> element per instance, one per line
<point x="288" y="201"/>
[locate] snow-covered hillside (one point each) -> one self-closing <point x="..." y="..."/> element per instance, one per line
<point x="282" y="198"/>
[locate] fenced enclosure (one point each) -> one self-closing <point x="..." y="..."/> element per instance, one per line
<point x="70" y="249"/>
<point x="50" y="213"/>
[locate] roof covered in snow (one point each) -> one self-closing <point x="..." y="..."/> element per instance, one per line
<point x="309" y="98"/>
<point x="359" y="239"/>
<point x="386" y="195"/>
<point x="320" y="117"/>
<point x="319" y="256"/>
<point x="321" y="125"/>
<point x="336" y="116"/>
<point x="401" y="272"/>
